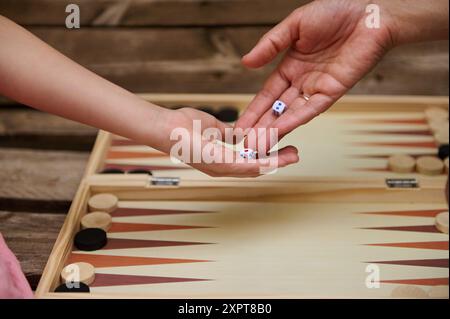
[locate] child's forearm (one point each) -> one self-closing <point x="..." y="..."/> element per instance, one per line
<point x="35" y="74"/>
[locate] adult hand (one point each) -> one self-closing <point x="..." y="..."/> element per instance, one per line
<point x="206" y="154"/>
<point x="329" y="49"/>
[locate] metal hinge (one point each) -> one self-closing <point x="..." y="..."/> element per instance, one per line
<point x="165" y="181"/>
<point x="402" y="183"/>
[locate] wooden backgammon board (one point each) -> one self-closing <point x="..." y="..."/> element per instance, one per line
<point x="338" y="224"/>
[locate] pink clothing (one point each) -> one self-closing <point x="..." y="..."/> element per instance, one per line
<point x="13" y="284"/>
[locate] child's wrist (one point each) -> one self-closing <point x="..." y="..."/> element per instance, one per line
<point x="157" y="129"/>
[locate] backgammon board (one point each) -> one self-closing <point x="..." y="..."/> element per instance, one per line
<point x="337" y="224"/>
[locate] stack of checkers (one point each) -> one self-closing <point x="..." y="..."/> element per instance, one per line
<point x="94" y="225"/>
<point x="438" y="122"/>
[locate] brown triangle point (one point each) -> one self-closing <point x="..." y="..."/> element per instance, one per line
<point x="439" y="263"/>
<point x="437" y="245"/>
<point x="419" y="228"/>
<point x="386" y="156"/>
<point x="420" y="282"/>
<point x="426" y="144"/>
<point x="392" y="132"/>
<point x="393" y="121"/>
<point x="125" y="243"/>
<point x="128" y="212"/>
<point x="104" y="261"/>
<point x="135" y="227"/>
<point x="105" y="280"/>
<point x="411" y="213"/>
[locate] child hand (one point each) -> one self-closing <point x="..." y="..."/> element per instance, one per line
<point x="200" y="132"/>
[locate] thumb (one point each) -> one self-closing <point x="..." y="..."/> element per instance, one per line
<point x="274" y="42"/>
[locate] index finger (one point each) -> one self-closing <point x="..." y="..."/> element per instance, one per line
<point x="275" y="85"/>
<point x="301" y="112"/>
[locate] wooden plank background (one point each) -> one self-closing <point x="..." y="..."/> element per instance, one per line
<point x="195" y="46"/>
<point x="168" y="46"/>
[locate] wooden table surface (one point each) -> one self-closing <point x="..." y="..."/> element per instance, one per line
<point x="42" y="157"/>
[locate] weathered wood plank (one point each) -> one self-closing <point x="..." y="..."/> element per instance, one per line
<point x="102" y="47"/>
<point x="31" y="237"/>
<point x="415" y="69"/>
<point x="151" y="12"/>
<point x="27" y="128"/>
<point x="155" y="60"/>
<point x="39" y="176"/>
<point x="29" y="121"/>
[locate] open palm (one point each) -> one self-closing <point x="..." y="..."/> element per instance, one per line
<point x="215" y="159"/>
<point x="330" y="50"/>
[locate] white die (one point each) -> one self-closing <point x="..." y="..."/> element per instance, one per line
<point x="248" y="153"/>
<point x="278" y="108"/>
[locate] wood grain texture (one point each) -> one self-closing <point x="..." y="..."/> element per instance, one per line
<point x="414" y="69"/>
<point x="37" y="187"/>
<point x="31" y="237"/>
<point x="25" y="128"/>
<point x="40" y="175"/>
<point x="151" y="12"/>
<point x="208" y="60"/>
<point x="28" y="121"/>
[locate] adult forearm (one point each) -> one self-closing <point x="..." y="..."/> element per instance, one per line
<point x="415" y="20"/>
